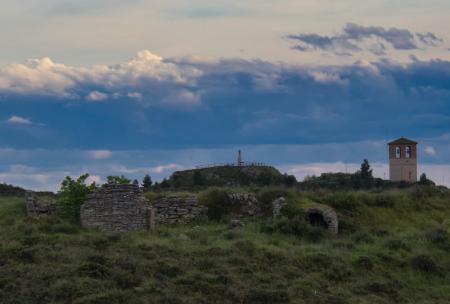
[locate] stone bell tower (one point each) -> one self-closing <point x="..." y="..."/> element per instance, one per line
<point x="403" y="160"/>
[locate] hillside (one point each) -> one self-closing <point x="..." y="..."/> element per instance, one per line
<point x="9" y="190"/>
<point x="227" y="176"/>
<point x="393" y="247"/>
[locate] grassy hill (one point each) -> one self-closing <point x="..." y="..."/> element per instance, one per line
<point x="9" y="190"/>
<point x="393" y="247"/>
<point x="226" y="176"/>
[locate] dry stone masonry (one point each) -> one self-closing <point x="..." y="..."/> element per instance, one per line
<point x="325" y="214"/>
<point x="117" y="207"/>
<point x="38" y="206"/>
<point x="248" y="203"/>
<point x="277" y="205"/>
<point x="173" y="209"/>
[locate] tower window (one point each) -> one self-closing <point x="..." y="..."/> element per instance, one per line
<point x="408" y="152"/>
<point x="398" y="152"/>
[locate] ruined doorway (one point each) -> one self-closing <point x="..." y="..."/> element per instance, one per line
<point x="316" y="219"/>
<point x="324" y="216"/>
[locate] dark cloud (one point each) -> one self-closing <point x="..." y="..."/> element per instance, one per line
<point x="400" y="39"/>
<point x="356" y="38"/>
<point x="429" y="39"/>
<point x="153" y="102"/>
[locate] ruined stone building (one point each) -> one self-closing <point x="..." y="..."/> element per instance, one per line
<point x="117" y="207"/>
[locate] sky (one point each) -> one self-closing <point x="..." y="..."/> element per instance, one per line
<point x="141" y="87"/>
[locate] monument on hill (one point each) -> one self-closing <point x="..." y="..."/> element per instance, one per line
<point x="239" y="161"/>
<point x="403" y="160"/>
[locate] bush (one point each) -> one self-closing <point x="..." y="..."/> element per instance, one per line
<point x="424" y="263"/>
<point x="364" y="263"/>
<point x="72" y="194"/>
<point x="110" y="297"/>
<point x="395" y="244"/>
<point x="343" y="201"/>
<point x="266" y="198"/>
<point x="218" y="202"/>
<point x="384" y="200"/>
<point x="437" y="236"/>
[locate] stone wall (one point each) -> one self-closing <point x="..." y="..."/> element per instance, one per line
<point x="173" y="209"/>
<point x="38" y="206"/>
<point x="277" y="205"/>
<point x="248" y="205"/>
<point x="116" y="207"/>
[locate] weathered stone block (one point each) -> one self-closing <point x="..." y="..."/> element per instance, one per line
<point x="38" y="206"/>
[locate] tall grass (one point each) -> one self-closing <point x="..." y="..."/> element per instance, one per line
<point x="394" y="248"/>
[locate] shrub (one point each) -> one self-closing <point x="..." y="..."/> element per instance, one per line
<point x="245" y="246"/>
<point x="318" y="261"/>
<point x="315" y="234"/>
<point x="218" y="202"/>
<point x="395" y="244"/>
<point x="291" y="211"/>
<point x="294" y="226"/>
<point x="424" y="263"/>
<point x="362" y="237"/>
<point x="111" y="297"/>
<point x="389" y="289"/>
<point x="364" y="262"/>
<point x="343" y="201"/>
<point x="72" y="194"/>
<point x="266" y="198"/>
<point x="165" y="270"/>
<point x="94" y="270"/>
<point x="269" y="296"/>
<point x="384" y="200"/>
<point x="338" y="273"/>
<point x="437" y="236"/>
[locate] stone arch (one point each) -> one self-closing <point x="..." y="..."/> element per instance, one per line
<point x="325" y="216"/>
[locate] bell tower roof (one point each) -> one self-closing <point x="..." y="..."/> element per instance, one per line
<point x="402" y="140"/>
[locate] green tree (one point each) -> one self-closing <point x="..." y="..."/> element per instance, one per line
<point x="424" y="180"/>
<point x="72" y="194"/>
<point x="113" y="179"/>
<point x="366" y="172"/>
<point x="289" y="180"/>
<point x="165" y="184"/>
<point x="197" y="178"/>
<point x="147" y="183"/>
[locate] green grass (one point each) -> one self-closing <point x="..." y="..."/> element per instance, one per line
<point x="394" y="248"/>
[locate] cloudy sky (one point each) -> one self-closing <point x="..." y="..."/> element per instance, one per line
<point x="136" y="87"/>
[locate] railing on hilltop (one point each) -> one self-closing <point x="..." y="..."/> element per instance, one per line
<point x="255" y="164"/>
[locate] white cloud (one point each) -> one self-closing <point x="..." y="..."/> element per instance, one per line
<point x="327" y="78"/>
<point x="121" y="169"/>
<point x="37" y="76"/>
<point x="182" y="97"/>
<point x="163" y="168"/>
<point x="38" y="180"/>
<point x="96" y="96"/>
<point x="94" y="179"/>
<point x="429" y="150"/>
<point x="145" y="74"/>
<point x="100" y="154"/>
<point x="135" y="95"/>
<point x="19" y="120"/>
